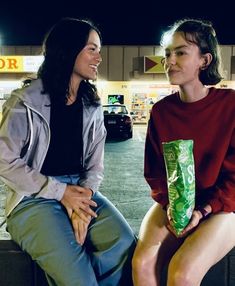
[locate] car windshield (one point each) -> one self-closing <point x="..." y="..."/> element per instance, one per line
<point x="114" y="109"/>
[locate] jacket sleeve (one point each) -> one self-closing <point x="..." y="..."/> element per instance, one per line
<point x="14" y="170"/>
<point x="154" y="167"/>
<point x="93" y="173"/>
<point x="224" y="196"/>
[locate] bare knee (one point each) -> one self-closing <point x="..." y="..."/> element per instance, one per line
<point x="179" y="278"/>
<point x="141" y="264"/>
<point x="182" y="273"/>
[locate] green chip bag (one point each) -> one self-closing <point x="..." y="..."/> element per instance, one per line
<point x="179" y="162"/>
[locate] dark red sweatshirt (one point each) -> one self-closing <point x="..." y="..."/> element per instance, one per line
<point x="210" y="123"/>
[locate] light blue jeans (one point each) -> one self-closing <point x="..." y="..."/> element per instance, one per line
<point x="42" y="228"/>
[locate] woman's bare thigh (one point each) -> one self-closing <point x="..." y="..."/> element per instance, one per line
<point x="154" y="237"/>
<point x="208" y="244"/>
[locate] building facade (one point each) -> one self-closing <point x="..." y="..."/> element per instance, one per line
<point x="134" y="72"/>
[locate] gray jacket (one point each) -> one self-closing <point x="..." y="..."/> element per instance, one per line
<point x="24" y="141"/>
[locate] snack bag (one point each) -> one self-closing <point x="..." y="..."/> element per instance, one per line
<point x="179" y="162"/>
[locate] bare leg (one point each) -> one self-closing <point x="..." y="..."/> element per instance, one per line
<point x="155" y="246"/>
<point x="208" y="244"/>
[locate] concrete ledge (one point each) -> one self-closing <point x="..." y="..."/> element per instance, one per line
<point x="18" y="269"/>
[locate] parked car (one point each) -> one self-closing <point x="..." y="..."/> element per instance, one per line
<point x="118" y="121"/>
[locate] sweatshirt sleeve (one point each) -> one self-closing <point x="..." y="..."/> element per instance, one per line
<point x="224" y="196"/>
<point x="154" y="167"/>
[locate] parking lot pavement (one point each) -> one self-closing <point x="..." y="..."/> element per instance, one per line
<point x="123" y="183"/>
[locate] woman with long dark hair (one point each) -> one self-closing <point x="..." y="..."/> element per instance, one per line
<point x="52" y="139"/>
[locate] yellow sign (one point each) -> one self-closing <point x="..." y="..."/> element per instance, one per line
<point x="152" y="64"/>
<point x="20" y="64"/>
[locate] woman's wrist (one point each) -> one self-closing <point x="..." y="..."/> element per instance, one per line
<point x="204" y="211"/>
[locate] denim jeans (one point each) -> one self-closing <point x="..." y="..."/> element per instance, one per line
<point x="42" y="228"/>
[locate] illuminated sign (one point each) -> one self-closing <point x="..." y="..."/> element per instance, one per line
<point x="20" y="64"/>
<point x="152" y="64"/>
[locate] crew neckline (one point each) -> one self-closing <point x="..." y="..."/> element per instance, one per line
<point x="199" y="103"/>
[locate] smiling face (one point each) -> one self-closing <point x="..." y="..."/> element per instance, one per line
<point x="88" y="60"/>
<point x="183" y="60"/>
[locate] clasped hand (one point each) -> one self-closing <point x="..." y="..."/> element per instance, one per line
<point x="78" y="203"/>
<point x="194" y="221"/>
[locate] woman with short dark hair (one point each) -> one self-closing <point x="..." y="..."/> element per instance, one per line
<point x="206" y="116"/>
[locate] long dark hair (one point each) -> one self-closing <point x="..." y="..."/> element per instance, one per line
<point x="202" y="34"/>
<point x="61" y="45"/>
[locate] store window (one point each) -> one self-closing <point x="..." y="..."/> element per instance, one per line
<point x="115" y="98"/>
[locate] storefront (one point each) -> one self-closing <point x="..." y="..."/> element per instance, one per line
<point x="13" y="69"/>
<point x="138" y="94"/>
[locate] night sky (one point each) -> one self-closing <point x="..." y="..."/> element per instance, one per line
<point x="121" y="22"/>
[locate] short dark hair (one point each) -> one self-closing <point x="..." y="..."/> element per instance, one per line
<point x="202" y="34"/>
<point x="61" y="45"/>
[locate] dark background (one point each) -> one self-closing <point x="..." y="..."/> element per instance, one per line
<point x="121" y="22"/>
